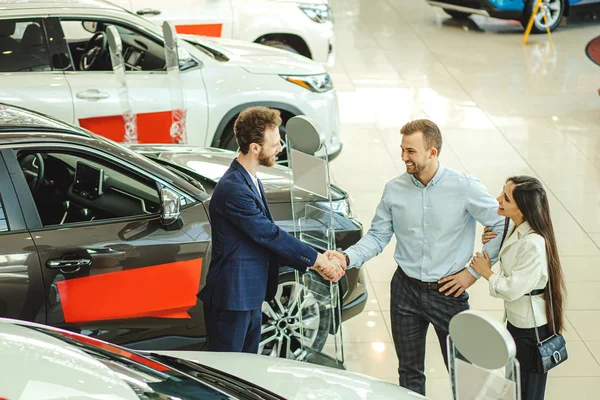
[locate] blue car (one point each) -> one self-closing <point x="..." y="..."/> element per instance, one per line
<point x="513" y="9"/>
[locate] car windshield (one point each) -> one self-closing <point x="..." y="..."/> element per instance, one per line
<point x="143" y="161"/>
<point x="147" y="378"/>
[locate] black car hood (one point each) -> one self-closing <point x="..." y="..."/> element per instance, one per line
<point x="211" y="163"/>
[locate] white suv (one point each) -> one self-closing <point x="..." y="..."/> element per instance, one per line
<point x="50" y="63"/>
<point x="302" y="26"/>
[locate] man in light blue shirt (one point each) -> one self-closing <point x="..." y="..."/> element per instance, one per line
<point x="433" y="211"/>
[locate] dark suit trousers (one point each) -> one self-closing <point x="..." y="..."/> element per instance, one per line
<point x="533" y="384"/>
<point x="412" y="309"/>
<point x="231" y="330"/>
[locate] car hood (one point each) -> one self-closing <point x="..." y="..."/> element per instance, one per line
<point x="295" y="380"/>
<point x="259" y="59"/>
<point x="212" y="163"/>
<point x="35" y="365"/>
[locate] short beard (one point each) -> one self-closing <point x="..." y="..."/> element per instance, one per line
<point x="266" y="161"/>
<point x="417" y="170"/>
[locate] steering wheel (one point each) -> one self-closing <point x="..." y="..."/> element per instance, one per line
<point x="36" y="162"/>
<point x="95" y="51"/>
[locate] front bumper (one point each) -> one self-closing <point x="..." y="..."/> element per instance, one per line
<point x="489" y="8"/>
<point x="320" y="40"/>
<point x="326" y="112"/>
<point x="354" y="300"/>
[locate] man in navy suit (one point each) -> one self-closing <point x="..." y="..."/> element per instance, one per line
<point x="248" y="247"/>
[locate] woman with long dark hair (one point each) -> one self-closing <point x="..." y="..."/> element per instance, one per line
<point x="528" y="259"/>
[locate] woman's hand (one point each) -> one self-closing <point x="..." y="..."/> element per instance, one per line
<point x="482" y="265"/>
<point x="488" y="235"/>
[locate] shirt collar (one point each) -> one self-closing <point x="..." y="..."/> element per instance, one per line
<point x="436" y="178"/>
<point x="524" y="229"/>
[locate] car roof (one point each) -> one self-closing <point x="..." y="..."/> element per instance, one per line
<point x="37" y="4"/>
<point x="15" y="119"/>
<point x="19" y="125"/>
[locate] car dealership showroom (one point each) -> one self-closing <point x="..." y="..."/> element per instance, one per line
<point x="300" y="199"/>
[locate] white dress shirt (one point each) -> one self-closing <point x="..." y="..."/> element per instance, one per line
<point x="255" y="180"/>
<point x="522" y="267"/>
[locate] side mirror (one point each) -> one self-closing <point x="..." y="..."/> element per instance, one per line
<point x="170" y="209"/>
<point x="90" y="26"/>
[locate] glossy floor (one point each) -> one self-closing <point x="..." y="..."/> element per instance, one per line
<point x="504" y="109"/>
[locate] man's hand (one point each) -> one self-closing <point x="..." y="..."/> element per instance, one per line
<point x="457" y="283"/>
<point x="330" y="270"/>
<point x="332" y="254"/>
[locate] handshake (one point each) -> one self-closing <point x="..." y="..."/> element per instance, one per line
<point x="331" y="265"/>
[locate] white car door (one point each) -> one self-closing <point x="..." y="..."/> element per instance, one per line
<point x="29" y="75"/>
<point x="196" y="17"/>
<point x="95" y="88"/>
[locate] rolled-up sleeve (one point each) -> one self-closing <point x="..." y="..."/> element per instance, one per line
<point x="524" y="275"/>
<point x="484" y="209"/>
<point x="378" y="236"/>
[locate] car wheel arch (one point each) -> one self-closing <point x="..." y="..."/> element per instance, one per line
<point x="228" y="119"/>
<point x="294" y="41"/>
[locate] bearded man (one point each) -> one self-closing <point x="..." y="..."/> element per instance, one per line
<point x="432" y="210"/>
<point x="248" y="247"/>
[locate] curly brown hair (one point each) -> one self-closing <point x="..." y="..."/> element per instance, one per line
<point x="431" y="133"/>
<point x="251" y="124"/>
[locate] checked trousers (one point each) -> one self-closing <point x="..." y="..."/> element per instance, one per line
<point x="412" y="309"/>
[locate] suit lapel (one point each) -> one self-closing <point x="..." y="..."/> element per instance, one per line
<point x="522" y="230"/>
<point x="264" y="200"/>
<point x="236" y="165"/>
<point x="510" y="239"/>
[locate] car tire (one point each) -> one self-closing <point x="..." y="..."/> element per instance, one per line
<point x="228" y="142"/>
<point x="280" y="45"/>
<point x="281" y="334"/>
<point x="457" y="14"/>
<point x="555" y="9"/>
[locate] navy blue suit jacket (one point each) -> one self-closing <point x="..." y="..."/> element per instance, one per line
<point x="247" y="245"/>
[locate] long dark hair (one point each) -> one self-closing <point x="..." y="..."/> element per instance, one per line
<point x="531" y="198"/>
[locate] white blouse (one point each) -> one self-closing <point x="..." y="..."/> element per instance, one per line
<point x="522" y="267"/>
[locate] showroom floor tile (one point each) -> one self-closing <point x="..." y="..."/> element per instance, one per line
<point x="503" y="109"/>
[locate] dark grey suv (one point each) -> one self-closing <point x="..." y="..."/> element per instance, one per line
<point x="101" y="240"/>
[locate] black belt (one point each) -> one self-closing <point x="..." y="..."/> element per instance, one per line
<point x="421" y="284"/>
<point x="536" y="292"/>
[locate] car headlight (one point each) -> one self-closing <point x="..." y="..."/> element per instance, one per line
<point x="315" y="83"/>
<point x="319" y="13"/>
<point x="343" y="207"/>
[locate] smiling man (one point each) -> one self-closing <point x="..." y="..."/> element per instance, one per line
<point x="432" y="210"/>
<point x="247" y="246"/>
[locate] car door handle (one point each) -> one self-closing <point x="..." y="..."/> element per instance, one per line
<point x="92" y="94"/>
<point x="59" y="263"/>
<point x="148" y="11"/>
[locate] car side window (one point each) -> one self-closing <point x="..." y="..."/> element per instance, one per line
<point x="23" y="46"/>
<point x="73" y="187"/>
<point x="140" y="52"/>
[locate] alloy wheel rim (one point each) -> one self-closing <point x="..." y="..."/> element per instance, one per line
<point x="290" y="322"/>
<point x="552" y="8"/>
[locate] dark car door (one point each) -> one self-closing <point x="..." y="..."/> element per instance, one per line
<point x="21" y="287"/>
<point x="111" y="269"/>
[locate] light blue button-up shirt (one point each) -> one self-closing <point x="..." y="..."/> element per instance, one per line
<point x="434" y="224"/>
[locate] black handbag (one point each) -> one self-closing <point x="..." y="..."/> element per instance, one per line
<point x="553" y="350"/>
